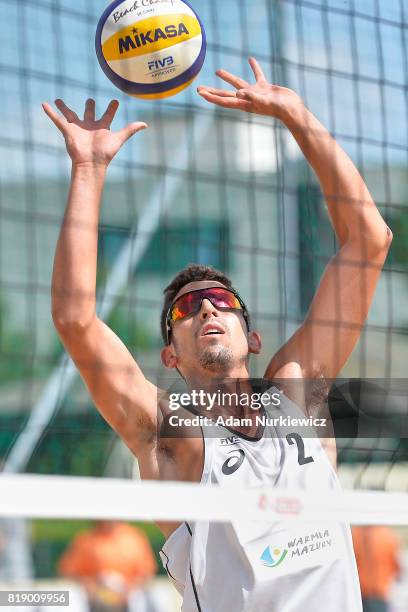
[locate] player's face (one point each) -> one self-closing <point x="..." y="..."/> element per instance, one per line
<point x="210" y="339"/>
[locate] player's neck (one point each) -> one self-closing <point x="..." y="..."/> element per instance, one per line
<point x="226" y="396"/>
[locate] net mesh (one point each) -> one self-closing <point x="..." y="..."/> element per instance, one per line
<point x="221" y="188"/>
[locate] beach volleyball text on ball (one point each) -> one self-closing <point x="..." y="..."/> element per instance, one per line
<point x="150" y="48"/>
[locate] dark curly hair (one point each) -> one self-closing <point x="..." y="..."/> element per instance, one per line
<point x="193" y="272"/>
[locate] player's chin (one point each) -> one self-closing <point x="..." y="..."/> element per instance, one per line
<point x="215" y="357"/>
<point x="214" y="340"/>
<point x="213" y="343"/>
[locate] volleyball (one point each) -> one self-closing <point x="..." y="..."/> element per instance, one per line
<point x="150" y="49"/>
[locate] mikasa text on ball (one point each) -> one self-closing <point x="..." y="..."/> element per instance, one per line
<point x="150" y="48"/>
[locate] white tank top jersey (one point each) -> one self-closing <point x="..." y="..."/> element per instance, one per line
<point x="265" y="567"/>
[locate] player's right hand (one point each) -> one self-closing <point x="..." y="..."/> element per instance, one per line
<point x="90" y="141"/>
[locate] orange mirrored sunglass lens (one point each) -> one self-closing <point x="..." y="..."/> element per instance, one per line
<point x="191" y="302"/>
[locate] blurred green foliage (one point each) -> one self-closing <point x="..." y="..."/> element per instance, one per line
<point x="72" y="445"/>
<point x="18" y="359"/>
<point x="398" y="256"/>
<point x="134" y="335"/>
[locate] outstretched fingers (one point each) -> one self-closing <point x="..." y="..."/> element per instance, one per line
<point x="233" y="80"/>
<point x="60" y="122"/>
<point x="257" y="70"/>
<point x="225" y="101"/>
<point x="225" y="93"/>
<point x="89" y="114"/>
<point x="109" y="114"/>
<point x="131" y="129"/>
<point x="69" y="114"/>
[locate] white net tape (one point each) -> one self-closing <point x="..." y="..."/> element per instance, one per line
<point x="57" y="497"/>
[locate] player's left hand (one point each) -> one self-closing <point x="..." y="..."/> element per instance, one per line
<point x="261" y="98"/>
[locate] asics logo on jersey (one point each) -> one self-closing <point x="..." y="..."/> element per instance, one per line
<point x="234" y="462"/>
<point x="273" y="558"/>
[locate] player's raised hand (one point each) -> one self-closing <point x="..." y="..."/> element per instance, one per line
<point x="261" y="97"/>
<point x="90" y="140"/>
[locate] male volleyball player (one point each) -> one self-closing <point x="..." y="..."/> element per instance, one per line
<point x="208" y="338"/>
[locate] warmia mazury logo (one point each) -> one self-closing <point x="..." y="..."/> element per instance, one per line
<point x="273" y="558"/>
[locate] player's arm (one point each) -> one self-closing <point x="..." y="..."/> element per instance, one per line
<point x="339" y="309"/>
<point x="118" y="387"/>
<point x="340" y="306"/>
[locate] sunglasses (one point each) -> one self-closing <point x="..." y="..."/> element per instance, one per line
<point x="190" y="303"/>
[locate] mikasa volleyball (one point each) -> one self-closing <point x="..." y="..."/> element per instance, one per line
<point x="150" y="48"/>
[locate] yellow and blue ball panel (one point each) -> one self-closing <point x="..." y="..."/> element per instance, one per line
<point x="150" y="49"/>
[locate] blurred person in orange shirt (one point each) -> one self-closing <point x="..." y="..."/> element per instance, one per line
<point x="377" y="551"/>
<point x="110" y="561"/>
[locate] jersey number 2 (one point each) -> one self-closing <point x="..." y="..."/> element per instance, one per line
<point x="295" y="438"/>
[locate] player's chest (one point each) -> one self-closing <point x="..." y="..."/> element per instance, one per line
<point x="271" y="461"/>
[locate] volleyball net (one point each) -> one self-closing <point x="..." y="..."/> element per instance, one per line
<point x="57" y="497"/>
<point x="214" y="187"/>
